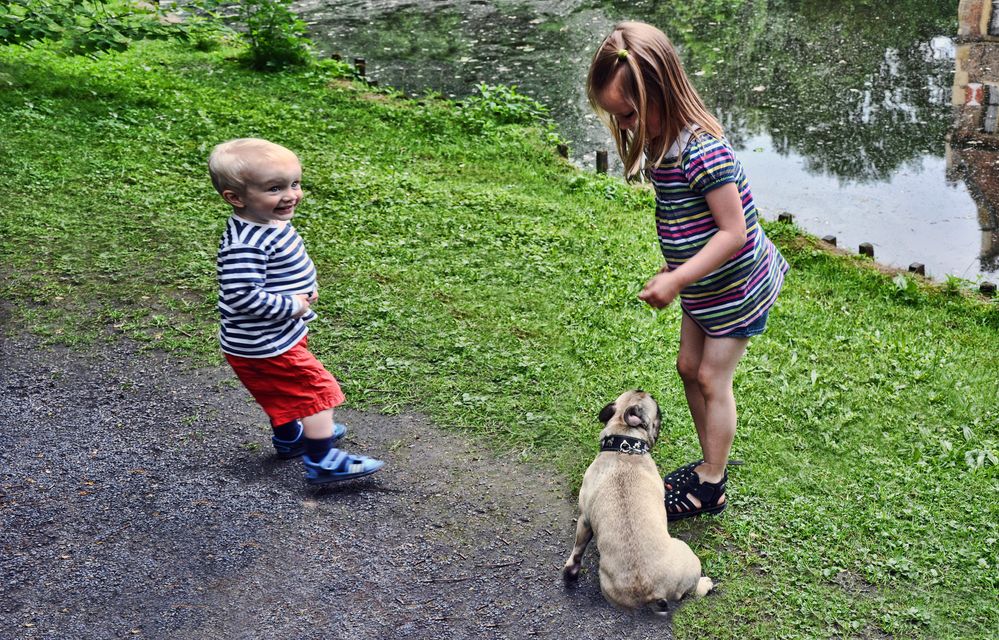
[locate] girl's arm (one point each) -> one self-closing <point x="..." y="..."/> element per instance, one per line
<point x="726" y="209"/>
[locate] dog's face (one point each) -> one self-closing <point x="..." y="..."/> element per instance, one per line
<point x="633" y="410"/>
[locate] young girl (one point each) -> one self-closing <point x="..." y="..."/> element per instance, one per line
<point x="726" y="272"/>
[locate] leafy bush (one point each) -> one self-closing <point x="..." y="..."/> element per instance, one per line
<point x="94" y="27"/>
<point x="503" y="105"/>
<point x="87" y="27"/>
<point x="276" y="35"/>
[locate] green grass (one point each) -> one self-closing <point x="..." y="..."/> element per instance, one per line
<point x="468" y="273"/>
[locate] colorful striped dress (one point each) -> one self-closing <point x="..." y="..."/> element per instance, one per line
<point x="746" y="286"/>
<point x="260" y="267"/>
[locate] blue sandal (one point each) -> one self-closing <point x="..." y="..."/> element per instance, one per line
<point x="339" y="465"/>
<point x="287" y="449"/>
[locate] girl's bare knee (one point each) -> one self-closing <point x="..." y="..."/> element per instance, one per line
<point x="688" y="371"/>
<point x="713" y="383"/>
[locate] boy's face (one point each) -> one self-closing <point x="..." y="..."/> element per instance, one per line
<point x="273" y="190"/>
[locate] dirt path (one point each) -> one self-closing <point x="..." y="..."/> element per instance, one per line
<point x="139" y="498"/>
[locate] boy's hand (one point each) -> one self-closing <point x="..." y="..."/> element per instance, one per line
<point x="306" y="300"/>
<point x="661" y="290"/>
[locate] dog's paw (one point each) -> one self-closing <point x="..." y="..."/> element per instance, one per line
<point x="570" y="573"/>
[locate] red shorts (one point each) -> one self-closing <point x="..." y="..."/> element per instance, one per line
<point x="290" y="386"/>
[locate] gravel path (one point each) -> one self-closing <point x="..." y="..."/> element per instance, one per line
<point x="139" y="498"/>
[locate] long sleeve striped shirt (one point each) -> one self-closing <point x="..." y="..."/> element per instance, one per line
<point x="746" y="286"/>
<point x="260" y="269"/>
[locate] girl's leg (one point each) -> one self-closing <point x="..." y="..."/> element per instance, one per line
<point x="688" y="362"/>
<point x="718" y="361"/>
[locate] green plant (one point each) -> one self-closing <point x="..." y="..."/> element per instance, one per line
<point x="953" y="285"/>
<point x="906" y="288"/>
<point x="276" y="35"/>
<point x="87" y="27"/>
<point x="503" y="105"/>
<point x="98" y="26"/>
<point x="497" y="105"/>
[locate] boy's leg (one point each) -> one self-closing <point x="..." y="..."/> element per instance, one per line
<point x="325" y="463"/>
<point x="318" y="432"/>
<point x="319" y="425"/>
<point x="275" y="383"/>
<point x="289" y="438"/>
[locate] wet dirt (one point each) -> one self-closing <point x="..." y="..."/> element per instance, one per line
<point x="140" y="498"/>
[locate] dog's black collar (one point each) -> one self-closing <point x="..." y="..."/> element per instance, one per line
<point x="624" y="444"/>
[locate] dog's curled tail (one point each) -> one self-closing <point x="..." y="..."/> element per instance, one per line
<point x="704" y="584"/>
<point x="702" y="588"/>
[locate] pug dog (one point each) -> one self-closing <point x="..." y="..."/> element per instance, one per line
<point x="621" y="503"/>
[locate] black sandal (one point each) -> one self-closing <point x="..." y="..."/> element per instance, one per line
<point x="681" y="476"/>
<point x="679" y="506"/>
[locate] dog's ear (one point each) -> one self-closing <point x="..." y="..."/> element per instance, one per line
<point x="657" y="424"/>
<point x="607" y="413"/>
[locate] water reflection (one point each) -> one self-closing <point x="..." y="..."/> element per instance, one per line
<point x="839" y="110"/>
<point x="973" y="144"/>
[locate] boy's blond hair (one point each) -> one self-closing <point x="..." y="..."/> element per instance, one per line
<point x="230" y="160"/>
<point x="649" y="70"/>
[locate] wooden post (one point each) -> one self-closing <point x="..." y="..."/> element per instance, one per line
<point x="360" y="66"/>
<point x="829" y="239"/>
<point x="867" y="249"/>
<point x="601" y="161"/>
<point x="987" y="289"/>
<point x="563" y="150"/>
<point x="785" y="217"/>
<point x="918" y="268"/>
<point x="336" y="56"/>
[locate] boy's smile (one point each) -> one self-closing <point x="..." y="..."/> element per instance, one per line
<point x="272" y="191"/>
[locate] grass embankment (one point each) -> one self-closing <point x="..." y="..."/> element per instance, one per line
<point x="469" y="273"/>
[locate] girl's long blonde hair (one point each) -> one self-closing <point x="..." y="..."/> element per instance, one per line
<point x="643" y="60"/>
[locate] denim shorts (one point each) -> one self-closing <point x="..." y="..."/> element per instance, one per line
<point x="755" y="328"/>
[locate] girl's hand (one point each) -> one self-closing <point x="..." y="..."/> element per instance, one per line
<point x="661" y="290"/>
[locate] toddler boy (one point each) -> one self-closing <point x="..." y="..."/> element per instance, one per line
<point x="267" y="286"/>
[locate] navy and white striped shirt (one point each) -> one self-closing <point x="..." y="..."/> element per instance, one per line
<point x="260" y="268"/>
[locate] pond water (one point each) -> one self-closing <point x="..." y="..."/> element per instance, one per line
<point x="840" y="111"/>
